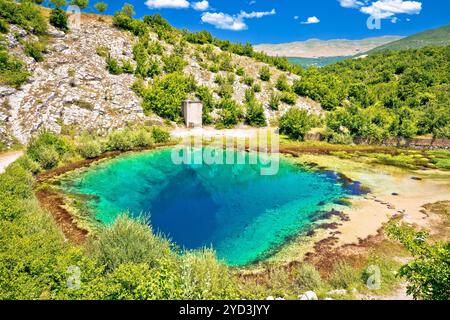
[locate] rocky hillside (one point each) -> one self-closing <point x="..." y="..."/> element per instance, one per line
<point x="71" y="89"/>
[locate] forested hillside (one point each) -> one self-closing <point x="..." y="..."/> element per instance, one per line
<point x="434" y="37"/>
<point x="390" y="94"/>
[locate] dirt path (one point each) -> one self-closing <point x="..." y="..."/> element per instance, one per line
<point x="7" y="158"/>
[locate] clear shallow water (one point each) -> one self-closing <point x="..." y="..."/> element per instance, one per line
<point x="240" y="213"/>
<point x="317" y="62"/>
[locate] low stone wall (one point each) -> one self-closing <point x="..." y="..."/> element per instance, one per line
<point x="422" y="144"/>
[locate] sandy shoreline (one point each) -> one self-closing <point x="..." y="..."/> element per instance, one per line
<point x="394" y="192"/>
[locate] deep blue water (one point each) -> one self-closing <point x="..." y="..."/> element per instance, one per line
<point x="232" y="208"/>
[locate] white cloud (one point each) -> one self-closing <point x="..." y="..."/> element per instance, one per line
<point x="394" y="20"/>
<point x="171" y="4"/>
<point x="201" y="5"/>
<point x="350" y="3"/>
<point x="311" y="20"/>
<point x="233" y="22"/>
<point x="296" y="17"/>
<point x="383" y="9"/>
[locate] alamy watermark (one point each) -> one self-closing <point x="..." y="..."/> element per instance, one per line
<point x="262" y="148"/>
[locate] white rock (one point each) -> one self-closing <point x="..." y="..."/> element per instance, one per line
<point x="270" y="298"/>
<point x="329" y="299"/>
<point x="308" y="295"/>
<point x="338" y="292"/>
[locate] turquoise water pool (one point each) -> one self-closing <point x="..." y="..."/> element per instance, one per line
<point x="242" y="214"/>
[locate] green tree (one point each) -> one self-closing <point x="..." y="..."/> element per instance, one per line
<point x="82" y="4"/>
<point x="296" y="123"/>
<point x="101" y="7"/>
<point x="429" y="273"/>
<point x="166" y="94"/>
<point x="58" y="19"/>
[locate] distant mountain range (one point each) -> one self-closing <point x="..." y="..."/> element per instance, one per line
<point x="315" y="48"/>
<point x="437" y="37"/>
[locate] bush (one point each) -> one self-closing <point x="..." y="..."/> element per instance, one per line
<point x="120" y="140"/>
<point x="205" y="278"/>
<point x="47" y="149"/>
<point x="127" y="67"/>
<point x="225" y="91"/>
<point x="429" y="271"/>
<point x="128" y="241"/>
<point x="12" y="70"/>
<point x="24" y="14"/>
<point x="255" y="116"/>
<point x="289" y="98"/>
<point x="307" y="277"/>
<point x="249" y="81"/>
<point x="257" y="87"/>
<point x="173" y="63"/>
<point x="340" y="138"/>
<point x="58" y="19"/>
<point x="240" y="72"/>
<point x="205" y="96"/>
<point x="4" y="27"/>
<point x="35" y="50"/>
<point x="88" y="148"/>
<point x="345" y="276"/>
<point x="160" y="135"/>
<point x="283" y="84"/>
<point x="296" y="123"/>
<point x="264" y="73"/>
<point x="274" y="101"/>
<point x="112" y="65"/>
<point x="166" y="95"/>
<point x="142" y="139"/>
<point x="230" y="114"/>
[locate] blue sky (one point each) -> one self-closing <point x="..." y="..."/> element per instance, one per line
<point x="277" y="21"/>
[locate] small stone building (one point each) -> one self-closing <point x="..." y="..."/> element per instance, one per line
<point x="192" y="112"/>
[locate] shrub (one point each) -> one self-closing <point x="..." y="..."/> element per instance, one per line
<point x="264" y="73"/>
<point x="307" y="277"/>
<point x="340" y="138"/>
<point x="289" y="98"/>
<point x="48" y="158"/>
<point x="128" y="241"/>
<point x="240" y="72"/>
<point x="255" y="114"/>
<point x="282" y="83"/>
<point x="205" y="95"/>
<point x="47" y="149"/>
<point x="429" y="271"/>
<point x="296" y="123"/>
<point x="24" y="14"/>
<point x="204" y="277"/>
<point x="257" y="87"/>
<point x="127" y="67"/>
<point x="160" y="135"/>
<point x="12" y="71"/>
<point x="274" y="101"/>
<point x="249" y="81"/>
<point x="88" y="148"/>
<point x="219" y="79"/>
<point x="4" y="27"/>
<point x="142" y="138"/>
<point x="166" y="94"/>
<point x="120" y="140"/>
<point x="112" y="65"/>
<point x="102" y="51"/>
<point x="58" y="19"/>
<point x="344" y="276"/>
<point x="225" y="91"/>
<point x="101" y="6"/>
<point x="173" y="63"/>
<point x="35" y="49"/>
<point x="230" y="114"/>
